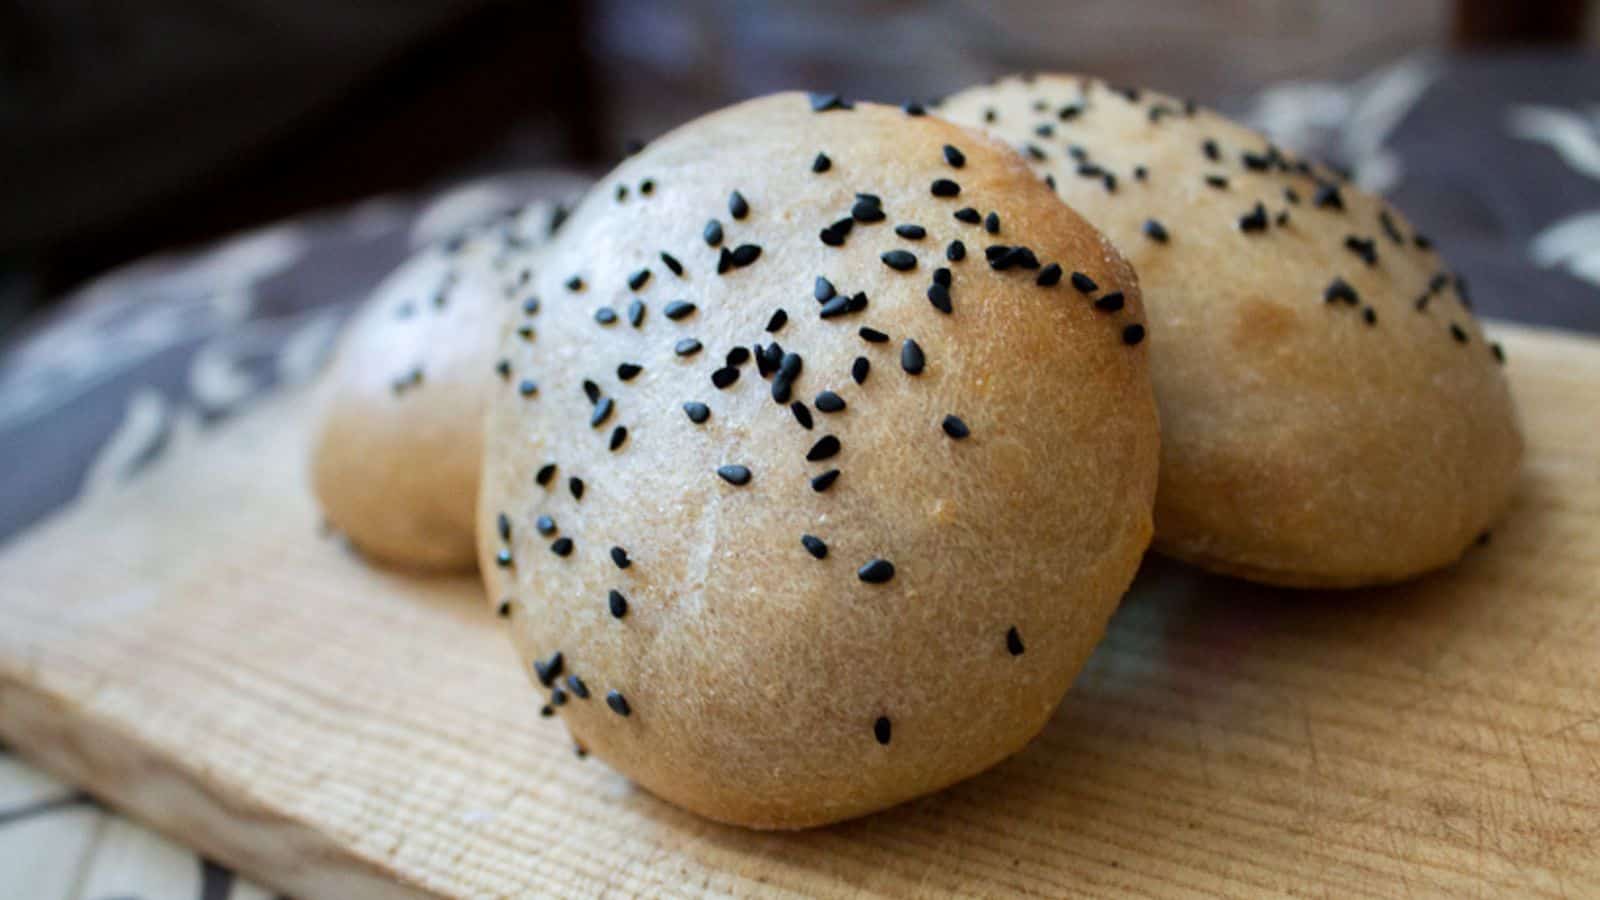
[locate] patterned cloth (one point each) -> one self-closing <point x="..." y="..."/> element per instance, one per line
<point x="1497" y="159"/>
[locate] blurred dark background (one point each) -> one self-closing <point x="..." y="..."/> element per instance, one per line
<point x="127" y="128"/>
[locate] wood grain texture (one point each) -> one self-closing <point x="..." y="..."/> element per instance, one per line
<point x="190" y="649"/>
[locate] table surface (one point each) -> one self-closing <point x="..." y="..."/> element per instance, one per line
<point x="1499" y="159"/>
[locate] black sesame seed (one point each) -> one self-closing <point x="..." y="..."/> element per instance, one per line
<point x="620" y="557"/>
<point x="1256" y="162"/>
<point x="636" y="312"/>
<point x="779" y="317"/>
<point x="591" y="390"/>
<point x="1068" y="112"/>
<point x="1340" y="291"/>
<point x="836" y="306"/>
<point x="942" y="276"/>
<point x="954" y="157"/>
<point x="826" y="448"/>
<point x="954" y="427"/>
<point x="1014" y="641"/>
<point x="697" y="412"/>
<point x="627" y="371"/>
<point x="686" y="347"/>
<point x="503" y="525"/>
<point x="821" y="164"/>
<point x="575" y="486"/>
<point x="826" y="102"/>
<point x="745" y="254"/>
<point x="881" y="730"/>
<point x="678" y="309"/>
<point x="558" y="697"/>
<point x="545" y="525"/>
<point x="1084" y="283"/>
<point x="1499" y="353"/>
<point x="1045" y="130"/>
<point x="546" y="711"/>
<point x="605" y="315"/>
<point x="1155" y="231"/>
<point x="867" y="211"/>
<point x="738" y="356"/>
<point x="622" y="192"/>
<point x="1111" y="302"/>
<point x="968" y="215"/>
<point x="503" y="368"/>
<point x="1365" y="248"/>
<point x="724" y="261"/>
<point x="1327" y="196"/>
<point x="814" y="546"/>
<point x="637" y="280"/>
<point x="1212" y="153"/>
<point x="1140" y="173"/>
<point x="900" y="260"/>
<point x="619" y="435"/>
<point x="823" y="290"/>
<point x="503" y="559"/>
<point x="858" y="301"/>
<point x="1422" y="241"/>
<point x="991" y="223"/>
<point x="737" y="207"/>
<point x="602" y="412"/>
<point x="911" y="232"/>
<point x="1217" y="181"/>
<point x="829" y="402"/>
<point x="1050" y="276"/>
<point x="504" y="609"/>
<point x="801" y="414"/>
<point x="577" y="687"/>
<point x="1034" y="152"/>
<point x="561" y="546"/>
<point x="1459" y="333"/>
<point x="574" y="283"/>
<point x="617" y="603"/>
<point x="835" y="234"/>
<point x="734" y="475"/>
<point x="859" y="369"/>
<point x="712" y="233"/>
<point x="1282" y="218"/>
<point x="1254" y="220"/>
<point x="550" y="669"/>
<point x="527" y="387"/>
<point x="876" y="571"/>
<point x="671" y="262"/>
<point x="1369" y="315"/>
<point x="1133" y="334"/>
<point x="546" y="472"/>
<point x="526" y="332"/>
<point x="872" y="335"/>
<point x="1389" y="228"/>
<point x="825" y="480"/>
<point x="530" y="306"/>
<point x="956" y="252"/>
<point x="724" y="377"/>
<point x="944" y="187"/>
<point x="911" y="357"/>
<point x="1292" y="196"/>
<point x="939" y="296"/>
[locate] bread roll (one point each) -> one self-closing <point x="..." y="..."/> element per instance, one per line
<point x="395" y="463"/>
<point x="820" y="479"/>
<point x="1331" y="413"/>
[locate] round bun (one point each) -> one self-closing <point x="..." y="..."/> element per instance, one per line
<point x="1331" y="414"/>
<point x="784" y="542"/>
<point x="395" y="464"/>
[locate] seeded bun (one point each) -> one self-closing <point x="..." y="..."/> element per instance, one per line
<point x="787" y="585"/>
<point x="1331" y="413"/>
<point x="395" y="465"/>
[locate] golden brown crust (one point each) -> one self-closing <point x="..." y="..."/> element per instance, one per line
<point x="754" y="672"/>
<point x="1304" y="442"/>
<point x="396" y="461"/>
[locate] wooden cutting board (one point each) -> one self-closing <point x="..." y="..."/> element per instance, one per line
<point x="192" y="650"/>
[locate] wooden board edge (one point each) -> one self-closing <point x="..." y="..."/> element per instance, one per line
<point x="112" y="765"/>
